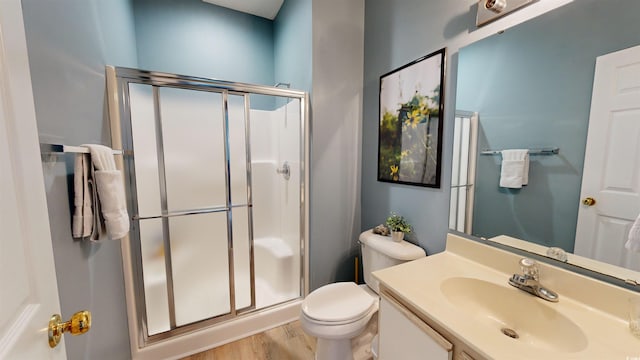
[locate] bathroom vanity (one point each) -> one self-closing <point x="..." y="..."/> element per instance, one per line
<point x="459" y="305"/>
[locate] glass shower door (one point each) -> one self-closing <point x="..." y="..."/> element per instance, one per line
<point x="216" y="182"/>
<point x="193" y="204"/>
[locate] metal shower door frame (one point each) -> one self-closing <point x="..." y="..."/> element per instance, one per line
<point x="156" y="80"/>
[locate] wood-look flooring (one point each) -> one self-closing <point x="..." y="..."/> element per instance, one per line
<point x="286" y="342"/>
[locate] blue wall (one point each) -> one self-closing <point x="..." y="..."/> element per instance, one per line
<point x="195" y="38"/>
<point x="69" y="43"/>
<point x="396" y="33"/>
<point x="292" y="44"/>
<point x="532" y="88"/>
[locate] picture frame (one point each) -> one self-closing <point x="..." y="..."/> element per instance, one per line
<point x="411" y="118"/>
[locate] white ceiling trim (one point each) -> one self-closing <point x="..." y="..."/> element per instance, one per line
<point x="263" y="8"/>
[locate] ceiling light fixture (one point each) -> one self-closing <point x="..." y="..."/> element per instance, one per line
<point x="491" y="10"/>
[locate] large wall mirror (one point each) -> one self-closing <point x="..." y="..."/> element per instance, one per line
<point x="531" y="87"/>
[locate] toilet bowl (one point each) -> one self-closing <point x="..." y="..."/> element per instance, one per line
<point x="335" y="314"/>
<point x="338" y="312"/>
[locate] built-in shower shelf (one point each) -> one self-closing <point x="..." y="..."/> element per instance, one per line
<point x="276" y="246"/>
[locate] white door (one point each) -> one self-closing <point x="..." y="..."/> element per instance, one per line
<point x="28" y="288"/>
<point x="612" y="161"/>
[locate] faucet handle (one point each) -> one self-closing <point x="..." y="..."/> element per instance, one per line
<point x="529" y="268"/>
<point x="557" y="253"/>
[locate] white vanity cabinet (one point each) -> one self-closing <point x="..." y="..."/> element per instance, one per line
<point x="459" y="303"/>
<point x="405" y="336"/>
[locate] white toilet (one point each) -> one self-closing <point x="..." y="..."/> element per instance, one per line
<point x="338" y="312"/>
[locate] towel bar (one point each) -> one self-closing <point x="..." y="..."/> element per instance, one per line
<point x="545" y="151"/>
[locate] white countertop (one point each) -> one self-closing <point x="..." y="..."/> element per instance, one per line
<point x="598" y="309"/>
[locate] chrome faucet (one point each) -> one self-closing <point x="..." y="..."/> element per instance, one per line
<point x="529" y="281"/>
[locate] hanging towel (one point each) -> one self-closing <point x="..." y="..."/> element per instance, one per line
<point x="98" y="221"/>
<point x="82" y="198"/>
<point x="525" y="169"/>
<point x="633" y="242"/>
<point x="108" y="181"/>
<point x="515" y="168"/>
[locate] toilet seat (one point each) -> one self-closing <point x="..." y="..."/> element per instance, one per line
<point x="372" y="310"/>
<point x="337" y="303"/>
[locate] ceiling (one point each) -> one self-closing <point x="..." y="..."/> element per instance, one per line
<point x="263" y="8"/>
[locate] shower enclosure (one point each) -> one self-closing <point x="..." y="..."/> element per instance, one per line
<point x="463" y="170"/>
<point x="216" y="180"/>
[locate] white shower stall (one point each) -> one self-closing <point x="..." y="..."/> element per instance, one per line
<point x="276" y="241"/>
<point x="216" y="181"/>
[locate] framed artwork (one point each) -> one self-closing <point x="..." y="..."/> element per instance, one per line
<point x="410" y="120"/>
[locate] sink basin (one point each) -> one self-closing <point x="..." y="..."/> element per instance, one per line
<point x="518" y="315"/>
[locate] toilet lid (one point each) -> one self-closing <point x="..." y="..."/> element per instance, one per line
<point x="337" y="302"/>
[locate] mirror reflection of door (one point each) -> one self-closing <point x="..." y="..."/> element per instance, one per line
<point x="611" y="173"/>
<point x="532" y="86"/>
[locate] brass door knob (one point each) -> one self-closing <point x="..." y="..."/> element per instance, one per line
<point x="79" y="323"/>
<point x="589" y="201"/>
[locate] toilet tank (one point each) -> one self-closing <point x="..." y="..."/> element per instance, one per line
<point x="379" y="252"/>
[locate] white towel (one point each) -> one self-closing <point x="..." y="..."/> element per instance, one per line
<point x="98" y="220"/>
<point x="108" y="181"/>
<point x="515" y="168"/>
<point x="525" y="169"/>
<point x="82" y="198"/>
<point x="633" y="242"/>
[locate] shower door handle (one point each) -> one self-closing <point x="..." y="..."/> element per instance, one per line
<point x="285" y="170"/>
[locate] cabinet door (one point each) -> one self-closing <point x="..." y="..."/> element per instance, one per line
<point x="405" y="336"/>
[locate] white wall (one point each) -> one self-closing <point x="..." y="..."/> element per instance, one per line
<point x="264" y="152"/>
<point x="336" y="104"/>
<point x="289" y="203"/>
<point x="275" y="138"/>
